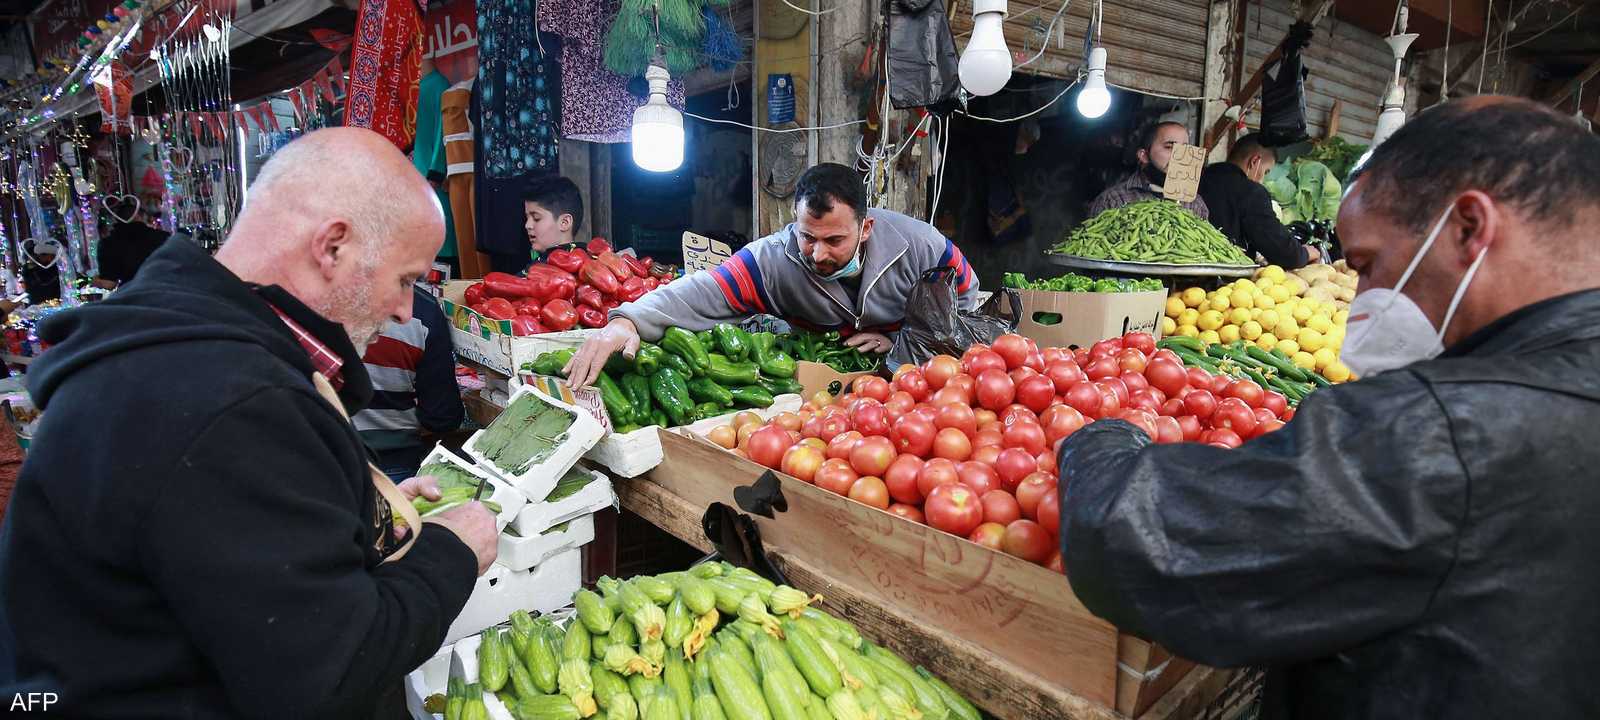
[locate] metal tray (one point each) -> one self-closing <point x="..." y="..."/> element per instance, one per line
<point x="1148" y="268"/>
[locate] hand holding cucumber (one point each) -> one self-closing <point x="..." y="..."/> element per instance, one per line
<point x="475" y="526"/>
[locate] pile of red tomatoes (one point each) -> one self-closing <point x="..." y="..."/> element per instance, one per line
<point x="968" y="445"/>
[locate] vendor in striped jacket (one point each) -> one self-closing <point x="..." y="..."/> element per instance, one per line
<point x="415" y="397"/>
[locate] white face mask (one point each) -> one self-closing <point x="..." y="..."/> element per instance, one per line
<point x="1387" y="330"/>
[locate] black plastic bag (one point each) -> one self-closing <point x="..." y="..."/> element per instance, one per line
<point x="1283" y="96"/>
<point x="922" y="54"/>
<point x="934" y="325"/>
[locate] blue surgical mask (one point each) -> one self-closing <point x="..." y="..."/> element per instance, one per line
<point x="850" y="269"/>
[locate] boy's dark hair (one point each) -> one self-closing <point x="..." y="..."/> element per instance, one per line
<point x="1519" y="152"/>
<point x="558" y="195"/>
<point x="1249" y="145"/>
<point x="823" y="185"/>
<point x="1147" y="137"/>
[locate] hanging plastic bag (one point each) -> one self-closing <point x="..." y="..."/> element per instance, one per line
<point x="922" y="54"/>
<point x="935" y="325"/>
<point x="1283" y="96"/>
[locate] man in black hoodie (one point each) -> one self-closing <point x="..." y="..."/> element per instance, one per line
<point x="196" y="531"/>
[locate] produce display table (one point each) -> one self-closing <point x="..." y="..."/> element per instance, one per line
<point x="1149" y="268"/>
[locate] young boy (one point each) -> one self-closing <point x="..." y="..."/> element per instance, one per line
<point x="554" y="212"/>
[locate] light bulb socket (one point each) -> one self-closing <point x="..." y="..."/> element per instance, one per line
<point x="1097" y="61"/>
<point x="980" y="7"/>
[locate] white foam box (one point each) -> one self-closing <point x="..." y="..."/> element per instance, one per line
<point x="502" y="591"/>
<point x="633" y="454"/>
<point x="530" y="551"/>
<point x="489" y="342"/>
<point x="538" y="517"/>
<point x="536" y="482"/>
<point x="429" y="678"/>
<point x="508" y="498"/>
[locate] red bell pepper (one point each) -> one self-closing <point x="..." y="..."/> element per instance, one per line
<point x="559" y="315"/>
<point x="588" y="295"/>
<point x="650" y="283"/>
<point x="522" y="326"/>
<point x="591" y="317"/>
<point x="499" y="308"/>
<point x="616" y="265"/>
<point x="632" y="290"/>
<point x="597" y="274"/>
<point x="548" y="270"/>
<point x="531" y="309"/>
<point x="502" y="285"/>
<point x="568" y="260"/>
<point x="480" y="308"/>
<point x="611" y="305"/>
<point x="639" y="268"/>
<point x="474" y="294"/>
<point x="599" y="245"/>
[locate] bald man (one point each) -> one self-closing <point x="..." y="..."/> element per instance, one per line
<point x="196" y="531"/>
<point x="1420" y="543"/>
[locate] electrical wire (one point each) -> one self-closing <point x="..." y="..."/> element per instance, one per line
<point x="1449" y="29"/>
<point x="1541" y="33"/>
<point x="817" y="13"/>
<point x="944" y="162"/>
<point x="774" y="131"/>
<point x="1164" y="96"/>
<point x="1025" y="116"/>
<point x="1048" y="32"/>
<point x="1483" y="60"/>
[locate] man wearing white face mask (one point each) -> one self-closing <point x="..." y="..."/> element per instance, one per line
<point x="839" y="266"/>
<point x="1420" y="543"/>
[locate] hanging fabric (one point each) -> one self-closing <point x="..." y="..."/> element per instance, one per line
<point x="455" y="121"/>
<point x="595" y="103"/>
<point x="384" y="69"/>
<point x="516" y="89"/>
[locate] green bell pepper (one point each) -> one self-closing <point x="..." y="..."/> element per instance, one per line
<point x="708" y="339"/>
<point x="728" y="372"/>
<point x="705" y="390"/>
<point x="772" y="361"/>
<point x="779" y="365"/>
<point x="552" y="363"/>
<point x="637" y="388"/>
<point x="615" y="400"/>
<point x="708" y="410"/>
<point x="753" y="396"/>
<point x="684" y="344"/>
<point x="648" y="359"/>
<point x="659" y="417"/>
<point x="732" y="341"/>
<point x="677" y="362"/>
<point x="782" y="386"/>
<point x="672" y="394"/>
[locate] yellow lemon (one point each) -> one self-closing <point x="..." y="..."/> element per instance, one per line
<point x="1265" y="301"/>
<point x="1192" y="297"/>
<point x="1280" y="293"/>
<point x="1255" y="313"/>
<point x="1264" y="284"/>
<point x="1244" y="284"/>
<point x="1269" y="319"/>
<point x="1267" y="341"/>
<point x="1243" y="299"/>
<point x="1174" y="306"/>
<point x="1302" y="313"/>
<point x="1250" y="330"/>
<point x="1239" y="316"/>
<point x="1305" y="360"/>
<point x="1189" y="316"/>
<point x="1295" y="284"/>
<point x="1272" y="272"/>
<point x="1320" y="323"/>
<point x="1310" y="340"/>
<point x="1188" y="331"/>
<point x="1288" y="347"/>
<point x="1210" y="320"/>
<point x="1168" y="326"/>
<point x="1286" y="329"/>
<point x="1336" y="372"/>
<point x="1324" y="358"/>
<point x="1228" y="333"/>
<point x="1341" y="317"/>
<point x="1210" y="337"/>
<point x="1220" y="303"/>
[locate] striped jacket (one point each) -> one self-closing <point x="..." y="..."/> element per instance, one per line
<point x="413" y="372"/>
<point x="769" y="276"/>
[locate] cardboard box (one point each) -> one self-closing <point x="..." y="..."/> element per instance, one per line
<point x="1088" y="318"/>
<point x="538" y="480"/>
<point x="507" y="497"/>
<point x="502" y="591"/>
<point x="817" y="376"/>
<point x="489" y="342"/>
<point x="522" y="553"/>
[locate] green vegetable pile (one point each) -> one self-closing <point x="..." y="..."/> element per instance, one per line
<point x="828" y="348"/>
<point x="456" y="487"/>
<point x="1073" y="282"/>
<point x="1155" y="231"/>
<point x="716" y="642"/>
<point x="687" y="376"/>
<point x="1271" y="370"/>
<point x="1339" y="154"/>
<point x="527" y="433"/>
<point x="1304" y="190"/>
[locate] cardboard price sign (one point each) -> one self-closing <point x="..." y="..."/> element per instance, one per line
<point x="702" y="253"/>
<point x="1183" y="173"/>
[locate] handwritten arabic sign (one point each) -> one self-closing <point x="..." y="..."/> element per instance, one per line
<point x="702" y="253"/>
<point x="1183" y="173"/>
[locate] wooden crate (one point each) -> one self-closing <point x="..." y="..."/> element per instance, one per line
<point x="1009" y="634"/>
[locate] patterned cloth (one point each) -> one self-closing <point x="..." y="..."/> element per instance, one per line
<point x="384" y="70"/>
<point x="1136" y="188"/>
<point x="515" y="78"/>
<point x="595" y="103"/>
<point x="323" y="359"/>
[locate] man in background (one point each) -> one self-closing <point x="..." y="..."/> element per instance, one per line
<point x="127" y="247"/>
<point x="414" y="391"/>
<point x="1241" y="207"/>
<point x="553" y="212"/>
<point x="1156" y="144"/>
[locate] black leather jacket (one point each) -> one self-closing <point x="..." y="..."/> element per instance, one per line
<point x="1424" y="543"/>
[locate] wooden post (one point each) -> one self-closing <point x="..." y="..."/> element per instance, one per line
<point x="778" y="55"/>
<point x="1219" y="64"/>
<point x="1312" y="14"/>
<point x="842" y="37"/>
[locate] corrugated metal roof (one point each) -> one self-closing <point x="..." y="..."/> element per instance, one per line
<point x="1346" y="63"/>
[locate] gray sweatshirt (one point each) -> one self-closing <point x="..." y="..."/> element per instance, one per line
<point x="769" y="276"/>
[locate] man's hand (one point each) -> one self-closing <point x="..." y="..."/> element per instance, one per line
<point x="869" y="342"/>
<point x="585" y="366"/>
<point x="1313" y="254"/>
<point x="424" y="486"/>
<point x="474" y="524"/>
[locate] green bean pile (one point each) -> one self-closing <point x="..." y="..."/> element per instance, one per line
<point x="1154" y="231"/>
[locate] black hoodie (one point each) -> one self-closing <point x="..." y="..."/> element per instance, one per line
<point x="193" y="533"/>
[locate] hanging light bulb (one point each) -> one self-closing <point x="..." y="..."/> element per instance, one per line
<point x="986" y="62"/>
<point x="657" y="127"/>
<point x="1094" y="99"/>
<point x="1393" y="113"/>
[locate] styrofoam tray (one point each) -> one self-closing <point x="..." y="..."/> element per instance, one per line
<point x="638" y="452"/>
<point x="538" y="517"/>
<point x="521" y="553"/>
<point x="537" y="481"/>
<point x="429" y="678"/>
<point x="508" y="498"/>
<point x="502" y="591"/>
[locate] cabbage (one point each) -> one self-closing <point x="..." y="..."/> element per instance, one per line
<point x="1317" y="192"/>
<point x="1279" y="184"/>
